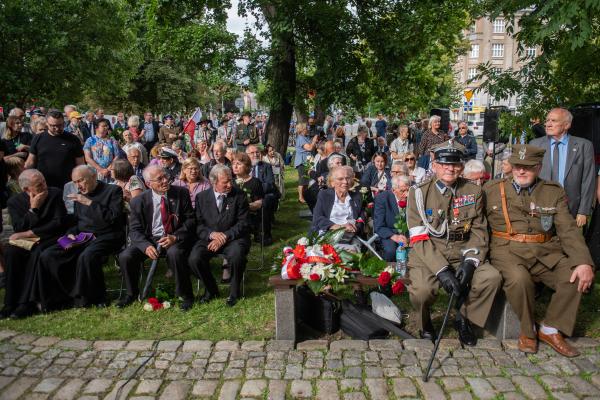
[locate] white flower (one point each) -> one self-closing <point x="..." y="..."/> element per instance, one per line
<point x="305" y="270"/>
<point x="166" y="304"/>
<point x="148" y="307"/>
<point x="364" y="190"/>
<point x="390" y="269"/>
<point x="303" y="241"/>
<point x="239" y="181"/>
<point x="309" y="158"/>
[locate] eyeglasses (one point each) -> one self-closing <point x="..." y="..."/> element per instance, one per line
<point x="161" y="178"/>
<point x="409" y="159"/>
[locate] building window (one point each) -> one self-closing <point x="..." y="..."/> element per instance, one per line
<point x="475" y="51"/>
<point x="497" y="50"/>
<point x="499" y="25"/>
<point x="496" y="70"/>
<point x="472" y="73"/>
<point x="530" y="52"/>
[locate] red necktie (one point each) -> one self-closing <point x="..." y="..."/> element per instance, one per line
<point x="164" y="216"/>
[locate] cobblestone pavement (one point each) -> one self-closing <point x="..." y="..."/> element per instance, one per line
<point x="33" y="367"/>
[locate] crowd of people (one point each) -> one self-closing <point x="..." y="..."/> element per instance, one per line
<point x="79" y="189"/>
<point x="467" y="233"/>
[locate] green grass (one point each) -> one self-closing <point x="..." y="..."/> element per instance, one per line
<point x="251" y="319"/>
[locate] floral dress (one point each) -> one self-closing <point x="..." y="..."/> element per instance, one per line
<point x="103" y="150"/>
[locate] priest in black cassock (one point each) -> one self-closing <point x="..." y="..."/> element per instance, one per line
<point x="38" y="213"/>
<point x="76" y="274"/>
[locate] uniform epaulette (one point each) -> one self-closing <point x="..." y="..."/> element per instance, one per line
<point x="493" y="182"/>
<point x="418" y="185"/>
<point x="550" y="183"/>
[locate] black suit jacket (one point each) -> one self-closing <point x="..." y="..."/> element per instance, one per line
<point x="322" y="211"/>
<point x="233" y="221"/>
<point x="140" y="219"/>
<point x="156" y="129"/>
<point x="265" y="176"/>
<point x="48" y="223"/>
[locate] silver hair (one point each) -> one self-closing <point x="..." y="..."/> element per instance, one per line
<point x="221" y="144"/>
<point x="218" y="170"/>
<point x="434" y="118"/>
<point x="398" y="179"/>
<point x="474" y="166"/>
<point x="333" y="157"/>
<point x="86" y="170"/>
<point x="26" y="177"/>
<point x="38" y="121"/>
<point x="566" y="113"/>
<point x="149" y="170"/>
<point x="133" y="120"/>
<point x="71" y="106"/>
<point x="132" y="148"/>
<point x="341" y="168"/>
<point x="403" y="166"/>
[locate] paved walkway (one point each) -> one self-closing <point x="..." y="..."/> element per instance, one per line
<point x="33" y="367"/>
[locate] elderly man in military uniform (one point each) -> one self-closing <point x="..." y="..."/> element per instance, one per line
<point x="445" y="218"/>
<point x="534" y="239"/>
<point x="246" y="133"/>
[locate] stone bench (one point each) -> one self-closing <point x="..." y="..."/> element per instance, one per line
<point x="285" y="302"/>
<point x="502" y="322"/>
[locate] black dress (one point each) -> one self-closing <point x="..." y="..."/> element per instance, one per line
<point x="254" y="191"/>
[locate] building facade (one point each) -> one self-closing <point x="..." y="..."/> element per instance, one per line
<point x="489" y="43"/>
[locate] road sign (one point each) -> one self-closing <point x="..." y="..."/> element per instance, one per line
<point x="468" y="94"/>
<point x="239" y="102"/>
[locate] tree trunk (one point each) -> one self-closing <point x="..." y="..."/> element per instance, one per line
<point x="319" y="115"/>
<point x="284" y="86"/>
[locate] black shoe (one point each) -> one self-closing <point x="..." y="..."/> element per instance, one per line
<point x="465" y="332"/>
<point x="125" y="301"/>
<point x="427" y="335"/>
<point x="187" y="304"/>
<point x="208" y="297"/>
<point x="231" y="301"/>
<point x="104" y="304"/>
<point x="23" y="311"/>
<point x="6" y="312"/>
<point x="2" y="280"/>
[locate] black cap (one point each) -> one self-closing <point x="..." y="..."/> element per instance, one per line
<point x="168" y="116"/>
<point x="449" y="152"/>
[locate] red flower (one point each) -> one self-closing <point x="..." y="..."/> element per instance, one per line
<point x="153" y="300"/>
<point x="314" y="277"/>
<point x="299" y="252"/>
<point x="360" y="221"/>
<point x="384" y="278"/>
<point x="156" y="306"/>
<point x="329" y="250"/>
<point x="370" y="205"/>
<point x="402" y="203"/>
<point x="398" y="288"/>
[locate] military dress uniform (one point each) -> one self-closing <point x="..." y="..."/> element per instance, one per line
<point x="534" y="239"/>
<point x="442" y="222"/>
<point x="245" y="132"/>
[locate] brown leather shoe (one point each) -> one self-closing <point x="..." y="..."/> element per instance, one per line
<point x="557" y="342"/>
<point x="527" y="344"/>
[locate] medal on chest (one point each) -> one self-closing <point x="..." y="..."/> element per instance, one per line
<point x="455" y="212"/>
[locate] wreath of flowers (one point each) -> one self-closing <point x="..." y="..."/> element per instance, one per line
<point x="153" y="304"/>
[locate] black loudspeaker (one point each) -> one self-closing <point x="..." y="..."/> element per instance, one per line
<point x="586" y="124"/>
<point x="444" y="114"/>
<point x="490" y="123"/>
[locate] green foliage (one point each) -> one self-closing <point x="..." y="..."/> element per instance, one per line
<point x="56" y="51"/>
<point x="565" y="70"/>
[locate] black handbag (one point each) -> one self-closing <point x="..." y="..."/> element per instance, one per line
<point x="357" y="324"/>
<point x="320" y="312"/>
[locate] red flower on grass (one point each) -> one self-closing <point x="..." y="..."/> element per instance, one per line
<point x="398" y="288"/>
<point x="384" y="278"/>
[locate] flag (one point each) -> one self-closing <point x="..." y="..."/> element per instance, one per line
<point x="190" y="127"/>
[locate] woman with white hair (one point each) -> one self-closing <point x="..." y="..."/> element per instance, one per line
<point x="133" y="123"/>
<point x="475" y="172"/>
<point x="434" y="135"/>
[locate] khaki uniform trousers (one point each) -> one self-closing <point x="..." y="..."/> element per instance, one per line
<point x="520" y="277"/>
<point x="484" y="286"/>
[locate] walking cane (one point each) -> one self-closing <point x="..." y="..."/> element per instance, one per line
<point x="150" y="276"/>
<point x="450" y="305"/>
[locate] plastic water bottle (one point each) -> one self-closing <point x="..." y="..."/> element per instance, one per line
<point x="401" y="259"/>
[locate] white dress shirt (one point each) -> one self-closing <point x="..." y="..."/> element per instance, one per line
<point x="157" y="227"/>
<point x="341" y="212"/>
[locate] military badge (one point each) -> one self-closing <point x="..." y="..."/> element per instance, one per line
<point x="547" y="221"/>
<point x="522" y="153"/>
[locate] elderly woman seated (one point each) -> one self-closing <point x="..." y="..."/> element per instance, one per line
<point x="338" y="208"/>
<point x="475" y="172"/>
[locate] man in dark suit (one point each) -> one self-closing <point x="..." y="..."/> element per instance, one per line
<point x="75" y="273"/>
<point x="37" y="212"/>
<point x="222" y="228"/>
<point x="385" y="212"/>
<point x="264" y="173"/>
<point x="569" y="161"/>
<point x="162" y="216"/>
<point x="149" y="129"/>
<point x="88" y="128"/>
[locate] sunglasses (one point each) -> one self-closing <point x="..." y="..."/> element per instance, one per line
<point x="409" y="159"/>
